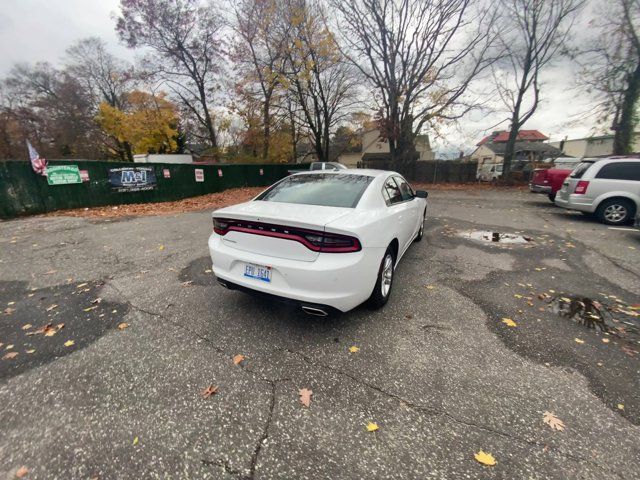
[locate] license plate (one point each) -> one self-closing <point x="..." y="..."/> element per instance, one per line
<point x="257" y="271"/>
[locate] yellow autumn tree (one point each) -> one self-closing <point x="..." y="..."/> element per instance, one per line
<point x="148" y="122"/>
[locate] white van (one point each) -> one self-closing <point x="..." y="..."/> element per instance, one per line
<point x="490" y="172"/>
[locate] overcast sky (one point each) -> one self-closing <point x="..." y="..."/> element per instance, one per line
<point x="41" y="30"/>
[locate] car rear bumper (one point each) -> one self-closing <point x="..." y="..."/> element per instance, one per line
<point x="575" y="202"/>
<point x="338" y="280"/>
<point x="539" y="188"/>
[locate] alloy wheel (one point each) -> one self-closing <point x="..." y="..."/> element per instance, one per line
<point x="387" y="275"/>
<point x="615" y="213"/>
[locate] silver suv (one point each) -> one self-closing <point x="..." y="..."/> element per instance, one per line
<point x="610" y="188"/>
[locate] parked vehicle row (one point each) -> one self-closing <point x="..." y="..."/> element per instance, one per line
<point x="607" y="188"/>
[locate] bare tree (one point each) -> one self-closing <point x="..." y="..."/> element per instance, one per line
<point x="322" y="83"/>
<point x="611" y="69"/>
<point x="259" y="55"/>
<point x="419" y="56"/>
<point x="533" y="34"/>
<point x="184" y="38"/>
<point x="105" y="78"/>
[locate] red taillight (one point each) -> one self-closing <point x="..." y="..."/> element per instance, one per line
<point x="317" y="241"/>
<point x="581" y="187"/>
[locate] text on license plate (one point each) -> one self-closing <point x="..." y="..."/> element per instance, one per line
<point x="257" y="271"/>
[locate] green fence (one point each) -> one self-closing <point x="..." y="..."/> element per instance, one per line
<point x="22" y="192"/>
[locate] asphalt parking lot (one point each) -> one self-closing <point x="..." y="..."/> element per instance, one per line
<point x="119" y="326"/>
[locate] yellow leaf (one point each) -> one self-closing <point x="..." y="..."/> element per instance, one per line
<point x="161" y="247"/>
<point x="485" y="458"/>
<point x="69" y="343"/>
<point x="122" y="326"/>
<point x="135" y="441"/>
<point x="372" y="427"/>
<point x="88" y="309"/>
<point x="354" y="349"/>
<point x="31" y="351"/>
<point x="579" y="341"/>
<point x="27" y="326"/>
<point x="517" y="295"/>
<point x="429" y="287"/>
<point x="620" y="406"/>
<point x="508" y="322"/>
<point x="238" y="359"/>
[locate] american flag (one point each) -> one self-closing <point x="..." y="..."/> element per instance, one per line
<point x="38" y="164"/>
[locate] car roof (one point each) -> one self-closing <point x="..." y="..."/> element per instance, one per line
<point x="350" y="171"/>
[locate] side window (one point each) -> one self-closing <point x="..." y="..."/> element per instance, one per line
<point x="391" y="192"/>
<point x="316" y="166"/>
<point x="405" y="189"/>
<point x="620" y="171"/>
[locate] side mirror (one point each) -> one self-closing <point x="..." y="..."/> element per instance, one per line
<point x="422" y="193"/>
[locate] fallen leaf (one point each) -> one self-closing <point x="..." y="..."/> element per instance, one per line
<point x="122" y="326"/>
<point x="51" y="307"/>
<point x="577" y="340"/>
<point x="31" y="351"/>
<point x="69" y="343"/>
<point x="135" y="441"/>
<point x="27" y="326"/>
<point x="22" y="471"/>
<point x="11" y="303"/>
<point x="82" y="285"/>
<point x="97" y="300"/>
<point x="629" y="351"/>
<point x="9" y="347"/>
<point x="517" y="295"/>
<point x="305" y="396"/>
<point x="50" y="272"/>
<point x="485" y="458"/>
<point x="354" y="349"/>
<point x="208" y="271"/>
<point x="620" y="406"/>
<point x="508" y="322"/>
<point x="88" y="309"/>
<point x="372" y="427"/>
<point x="554" y="422"/>
<point x="210" y="390"/>
<point x="9" y="311"/>
<point x="605" y="340"/>
<point x="237" y="359"/>
<point x="429" y="287"/>
<point x="160" y="247"/>
<point x="10" y="355"/>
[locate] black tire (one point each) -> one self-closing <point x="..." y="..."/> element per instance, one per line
<point x="552" y="197"/>
<point x="421" y="231"/>
<point x="379" y="298"/>
<point x="615" y="211"/>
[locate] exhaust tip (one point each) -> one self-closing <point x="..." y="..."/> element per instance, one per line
<point x="318" y="312"/>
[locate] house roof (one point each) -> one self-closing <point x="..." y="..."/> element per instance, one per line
<point x="503" y="136"/>
<point x="537" y="147"/>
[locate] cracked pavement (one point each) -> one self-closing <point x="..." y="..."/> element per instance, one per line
<point x="437" y="369"/>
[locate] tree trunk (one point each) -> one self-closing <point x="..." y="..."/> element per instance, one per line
<point x="266" y="120"/>
<point x="128" y="152"/>
<point x="403" y="149"/>
<point x="511" y="145"/>
<point x="623" y="139"/>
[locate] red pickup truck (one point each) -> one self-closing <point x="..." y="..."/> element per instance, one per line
<point x="548" y="180"/>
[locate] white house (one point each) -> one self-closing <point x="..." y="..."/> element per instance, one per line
<point x="376" y="149"/>
<point x="597" y="146"/>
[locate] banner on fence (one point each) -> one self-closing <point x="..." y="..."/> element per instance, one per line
<point x="199" y="172"/>
<point x="63" y="175"/>
<point x="132" y="179"/>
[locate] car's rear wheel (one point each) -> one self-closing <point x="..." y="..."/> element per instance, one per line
<point x="421" y="231"/>
<point x="552" y="197"/>
<point x="382" y="290"/>
<point x="615" y="211"/>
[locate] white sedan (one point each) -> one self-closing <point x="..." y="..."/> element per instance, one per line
<point x="324" y="240"/>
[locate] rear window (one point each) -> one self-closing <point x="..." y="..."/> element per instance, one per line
<point x="580" y="169"/>
<point x="620" y="171"/>
<point x="326" y="189"/>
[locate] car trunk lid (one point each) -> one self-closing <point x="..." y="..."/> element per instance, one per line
<point x="269" y="215"/>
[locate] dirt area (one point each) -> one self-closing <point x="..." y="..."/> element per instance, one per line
<point x="232" y="196"/>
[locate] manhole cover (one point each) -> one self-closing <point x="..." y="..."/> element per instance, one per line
<point x="496" y="237"/>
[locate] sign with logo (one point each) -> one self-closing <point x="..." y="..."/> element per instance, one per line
<point x="63" y="174"/>
<point x="84" y="175"/>
<point x="132" y="179"/>
<point x="261" y="171"/>
<point x="199" y="175"/>
<point x="219" y="172"/>
<point x="166" y="173"/>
